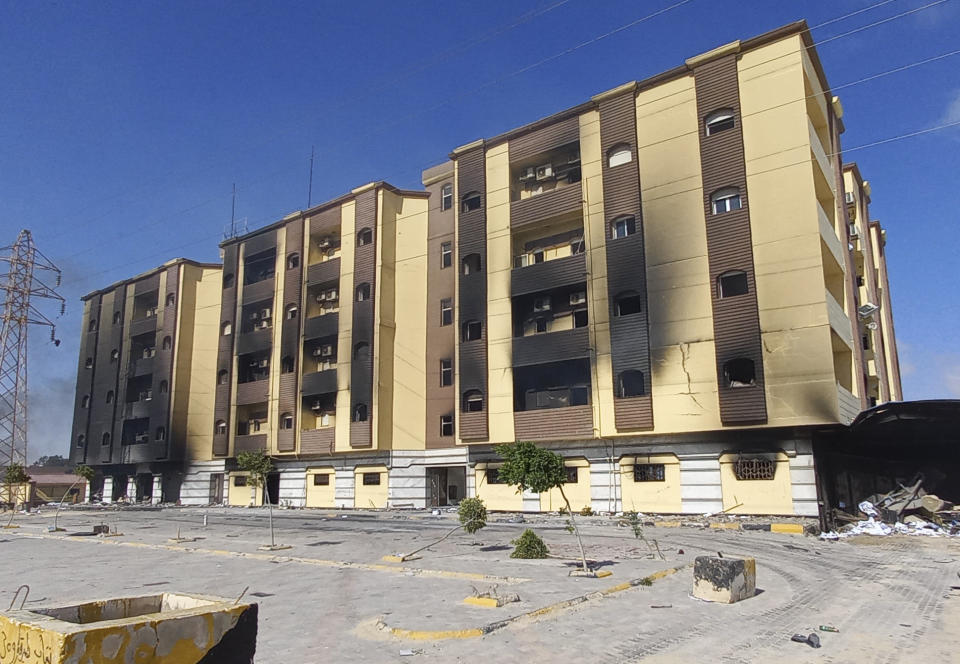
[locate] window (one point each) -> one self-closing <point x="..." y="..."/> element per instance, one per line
<point x="740" y="372"/>
<point x="88" y="364"/>
<point x="571" y="474"/>
<point x="446" y="373"/>
<point x="361" y="351"/>
<point x="286" y="364"/>
<point x="105" y="440"/>
<point x="732" y="283"/>
<point x="577" y="247"/>
<point x="85" y="401"/>
<point x="171" y="298"/>
<point x="114" y="355"/>
<point x="718" y="121"/>
<point x="623" y="226"/>
<point x="167" y="343"/>
<point x="446" y="425"/>
<point x="286" y="421"/>
<point x="470" y="201"/>
<point x="371" y="479"/>
<point x="220" y="429"/>
<point x="161" y="433"/>
<point x="293" y="261"/>
<point x="226" y="328"/>
<point x="117" y="317"/>
<point x="240" y="480"/>
<point x="93" y="325"/>
<point x="228" y="281"/>
<point x="538" y="256"/>
<point x="109" y="396"/>
<point x="865" y="341"/>
<point x="541" y="325"/>
<point x="619" y="154"/>
<point x="81" y="440"/>
<point x="164" y="387"/>
<point x="471" y="264"/>
<point x="648" y="472"/>
<point x="472" y="401"/>
<point x="363" y="292"/>
<point x="446" y="254"/>
<point x="725" y="200"/>
<point x="627" y="303"/>
<point x="364" y="237"/>
<point x="472" y="330"/>
<point x="492" y="476"/>
<point x="223" y="377"/>
<point x="580" y="318"/>
<point x="446" y="311"/>
<point x="291" y="311"/>
<point x="321" y="479"/>
<point x="446" y="196"/>
<point x="630" y="383"/>
<point x="360" y="412"/>
<point x="754" y="469"/>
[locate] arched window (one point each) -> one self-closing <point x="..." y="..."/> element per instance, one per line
<point x="85" y="401"/>
<point x="286" y="421"/>
<point x="161" y="433"/>
<point x="228" y="280"/>
<point x="364" y="237"/>
<point x="226" y="328"/>
<point x="286" y="364"/>
<point x="471" y="264"/>
<point x="630" y="383"/>
<point x="114" y="355"/>
<point x="291" y="311"/>
<point x="220" y="428"/>
<point x="627" y="303"/>
<point x="293" y="261"/>
<point x="105" y="439"/>
<point x="81" y="440"/>
<point x="171" y="298"/>
<point x="472" y="401"/>
<point x="222" y="377"/>
<point x="117" y="317"/>
<point x="164" y="387"/>
<point x="363" y="292"/>
<point x="623" y="226"/>
<point x="109" y="396"/>
<point x="361" y="351"/>
<point x="93" y="325"/>
<point x="740" y="372"/>
<point x="718" y="121"/>
<point x="470" y="201"/>
<point x="446" y="196"/>
<point x="725" y="200"/>
<point x="732" y="283"/>
<point x="167" y="342"/>
<point x="619" y="154"/>
<point x="360" y="412"/>
<point x="472" y="330"/>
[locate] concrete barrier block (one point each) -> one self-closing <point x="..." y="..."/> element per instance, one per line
<point x="725" y="580"/>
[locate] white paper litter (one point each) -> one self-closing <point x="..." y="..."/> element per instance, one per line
<point x="873" y="527"/>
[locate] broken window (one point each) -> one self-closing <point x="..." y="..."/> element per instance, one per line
<point x="725" y="200"/>
<point x="167" y="343"/>
<point x="580" y="318"/>
<point x="446" y="425"/>
<point x="623" y="226"/>
<point x="754" y="469"/>
<point x="470" y="201"/>
<point x="446" y="372"/>
<point x="287" y="364"/>
<point x="114" y="355"/>
<point x="472" y="330"/>
<point x="286" y="421"/>
<point x="541" y="325"/>
<point x="471" y="264"/>
<point x="627" y="303"/>
<point x="117" y="317"/>
<point x="291" y="311"/>
<point x="293" y="261"/>
<point x="223" y="377"/>
<point x="371" y="479"/>
<point x="360" y="412"/>
<point x="630" y="383"/>
<point x="171" y="298"/>
<point x="619" y="154"/>
<point x="364" y="237"/>
<point x="732" y="283"/>
<point x="446" y="196"/>
<point x="363" y="292"/>
<point x="718" y="121"/>
<point x="648" y="472"/>
<point x="740" y="372"/>
<point x="571" y="474"/>
<point x="446" y="254"/>
<point x="321" y="479"/>
<point x="472" y="401"/>
<point x="226" y="328"/>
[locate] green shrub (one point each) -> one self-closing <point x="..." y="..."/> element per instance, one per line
<point x="473" y="514"/>
<point x="586" y="511"/>
<point x="529" y="545"/>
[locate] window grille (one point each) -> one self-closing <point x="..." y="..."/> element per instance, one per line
<point x="754" y="469"/>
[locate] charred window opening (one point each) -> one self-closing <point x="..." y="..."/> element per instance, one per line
<point x="472" y="401"/>
<point x="754" y="469"/>
<point x="552" y="385"/>
<point x="85" y="401"/>
<point x="363" y="292"/>
<point x="286" y="422"/>
<point x="360" y="412"/>
<point x="171" y="299"/>
<point x="139" y="389"/>
<point x="117" y="317"/>
<point x="471" y="264"/>
<point x="470" y="201"/>
<point x="223" y="377"/>
<point x="364" y="237"/>
<point x="627" y="304"/>
<point x="649" y="472"/>
<point x="361" y="351"/>
<point x="287" y="364"/>
<point x="740" y="372"/>
<point x="251" y="420"/>
<point x="322" y="352"/>
<point x="259" y="267"/>
<point x="256" y="316"/>
<point x="92" y="327"/>
<point x="550" y="311"/>
<point x="167" y="343"/>
<point x="228" y="280"/>
<point x="631" y="383"/>
<point x="164" y="387"/>
<point x="253" y="367"/>
<point x="472" y="330"/>
<point x="291" y="311"/>
<point x="732" y="283"/>
<point x="293" y="261"/>
<point x="81" y="440"/>
<point x="548" y="171"/>
<point x="88" y="364"/>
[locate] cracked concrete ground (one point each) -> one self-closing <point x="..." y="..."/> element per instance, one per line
<point x="323" y="599"/>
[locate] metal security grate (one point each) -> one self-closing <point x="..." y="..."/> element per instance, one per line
<point x="754" y="469"/>
<point x="648" y="472"/>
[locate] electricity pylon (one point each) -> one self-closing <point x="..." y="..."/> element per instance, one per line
<point x="18" y="286"/>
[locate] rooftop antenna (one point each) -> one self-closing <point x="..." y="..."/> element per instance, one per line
<point x="310" y="186"/>
<point x="235" y="228"/>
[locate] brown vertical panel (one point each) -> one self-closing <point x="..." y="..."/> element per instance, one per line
<point x="472" y="296"/>
<point x="626" y="259"/>
<point x="86" y="379"/>
<point x="736" y="320"/>
<point x="163" y="371"/>
<point x="441" y="339"/>
<point x="364" y="271"/>
<point x="288" y="404"/>
<point x="290" y="341"/>
<point x="228" y="313"/>
<point x="575" y="422"/>
<point x="554" y="135"/>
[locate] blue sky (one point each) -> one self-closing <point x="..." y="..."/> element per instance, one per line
<point x="124" y="126"/>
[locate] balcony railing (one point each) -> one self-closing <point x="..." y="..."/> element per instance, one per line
<point x="319" y="382"/>
<point x="321" y="326"/>
<point x="323" y="272"/>
<point x="546" y="347"/>
<point x="556" y="273"/>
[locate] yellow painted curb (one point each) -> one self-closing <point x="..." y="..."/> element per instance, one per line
<point x="392" y="559"/>
<point x="725" y="526"/>
<point x="663" y="573"/>
<point x="604" y="572"/>
<point x="792" y="528"/>
<point x="427" y="635"/>
<point x="666" y="524"/>
<point x="488" y="602"/>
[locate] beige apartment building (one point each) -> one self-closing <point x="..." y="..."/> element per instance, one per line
<point x="676" y="285"/>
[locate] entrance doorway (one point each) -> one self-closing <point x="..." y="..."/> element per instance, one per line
<point x="447" y="485"/>
<point x="216" y="488"/>
<point x="273" y="488"/>
<point x="144" y="487"/>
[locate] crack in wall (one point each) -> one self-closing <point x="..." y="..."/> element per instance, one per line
<point x="683" y="366"/>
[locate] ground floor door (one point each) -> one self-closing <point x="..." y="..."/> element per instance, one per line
<point x="216" y="488"/>
<point x="144" y="487"/>
<point x="273" y="488"/>
<point x="437" y="483"/>
<point x="447" y="485"/>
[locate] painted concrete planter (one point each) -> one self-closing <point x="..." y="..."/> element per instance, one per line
<point x="168" y="628"/>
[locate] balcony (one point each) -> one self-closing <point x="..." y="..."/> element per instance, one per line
<point x="839" y="321"/>
<point x="317" y="441"/>
<point x="820" y="156"/>
<point x="255" y="391"/>
<point x="551" y="347"/>
<point x="251" y="342"/>
<point x="323" y="272"/>
<point x="559" y="272"/>
<point x="849" y="405"/>
<point x="829" y="235"/>
<point x="250" y="443"/>
<point x="319" y="382"/>
<point x="141" y="367"/>
<point x="572" y="422"/>
<point x="261" y="290"/>
<point x="549" y="204"/>
<point x="321" y="326"/>
<point x="136" y="410"/>
<point x="143" y="326"/>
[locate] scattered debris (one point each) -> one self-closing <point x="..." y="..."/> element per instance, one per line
<point x="661" y="606"/>
<point x="828" y="628"/>
<point x="811" y="639"/>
